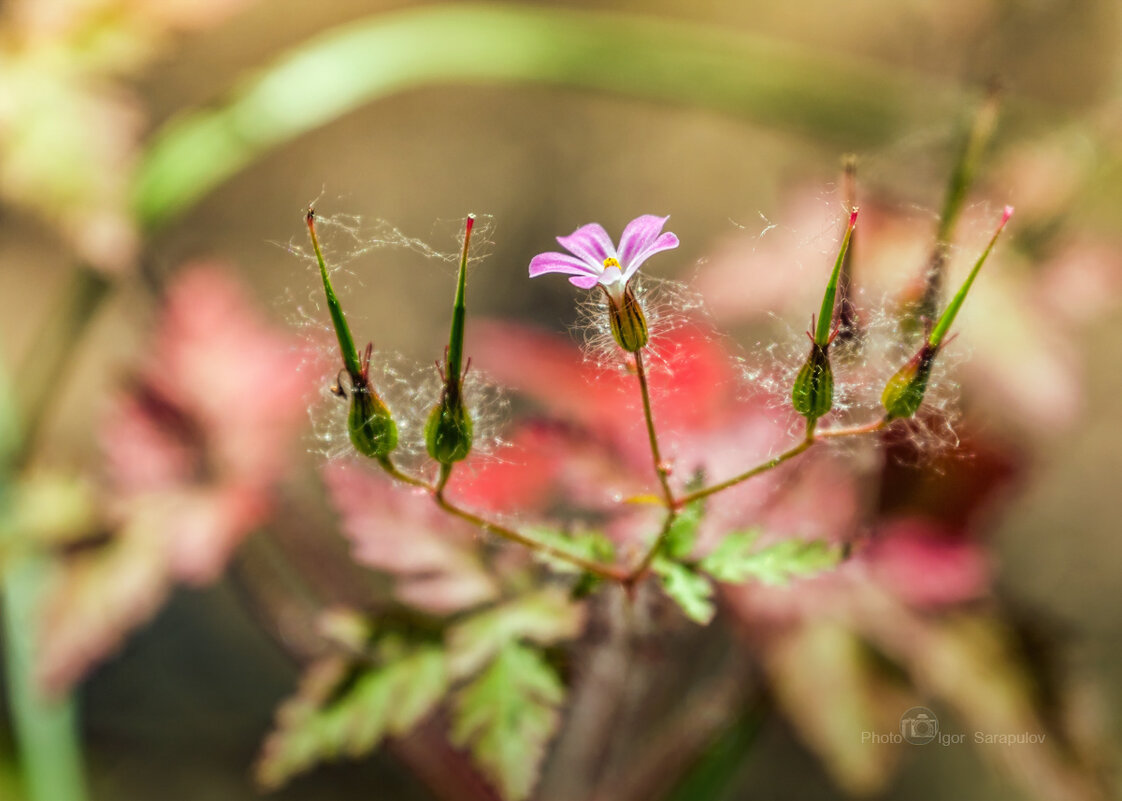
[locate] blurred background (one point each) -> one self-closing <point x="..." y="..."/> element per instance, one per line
<point x="727" y="147"/>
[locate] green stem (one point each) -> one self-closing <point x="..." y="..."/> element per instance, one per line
<point x="854" y="431"/>
<point x="764" y="467"/>
<point x="813" y="435"/>
<point x="668" y="500"/>
<point x="45" y="729"/>
<point x="609" y="572"/>
<point x="652" y="434"/>
<point x="649" y="557"/>
<point x="390" y="468"/>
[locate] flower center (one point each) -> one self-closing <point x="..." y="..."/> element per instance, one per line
<point x="611" y="261"/>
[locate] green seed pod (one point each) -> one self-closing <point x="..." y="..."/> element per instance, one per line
<point x="813" y="392"/>
<point x="904" y="392"/>
<point x="629" y="324"/>
<point x="370" y="425"/>
<point x="448" y="432"/>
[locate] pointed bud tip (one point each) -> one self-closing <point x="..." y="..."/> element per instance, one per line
<point x="1006" y="215"/>
<point x="470" y="223"/>
<point x="853" y="217"/>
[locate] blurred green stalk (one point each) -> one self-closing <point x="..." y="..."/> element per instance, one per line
<point x="46" y="732"/>
<point x="851" y="103"/>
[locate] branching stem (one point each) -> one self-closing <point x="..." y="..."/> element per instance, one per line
<point x="609" y="572"/>
<point x="673" y="504"/>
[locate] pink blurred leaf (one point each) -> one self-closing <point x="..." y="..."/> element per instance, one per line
<point x="433" y="558"/>
<point x="192" y="452"/>
<point x="925" y="566"/>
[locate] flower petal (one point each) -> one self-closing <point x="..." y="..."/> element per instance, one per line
<point x="639" y="234"/>
<point x="664" y="242"/>
<point x="561" y="263"/>
<point x="584" y="281"/>
<point x="589" y="243"/>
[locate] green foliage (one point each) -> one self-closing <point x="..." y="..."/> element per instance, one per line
<point x="682" y="534"/>
<point x="507" y="715"/>
<point x="346" y="708"/>
<point x="734" y="561"/>
<point x="591" y="545"/>
<point x="691" y="590"/>
<point x="543" y="617"/>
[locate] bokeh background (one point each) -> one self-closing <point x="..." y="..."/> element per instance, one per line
<point x="179" y="712"/>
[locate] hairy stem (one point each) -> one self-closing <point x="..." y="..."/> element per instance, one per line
<point x="604" y="571"/>
<point x="610" y="572"/>
<point x="812" y="436"/>
<point x="645" y="565"/>
<point x="652" y="435"/>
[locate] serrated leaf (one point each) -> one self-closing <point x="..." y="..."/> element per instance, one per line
<point x="347" y="709"/>
<point x="682" y="534"/>
<point x="506" y="717"/>
<point x="734" y="561"/>
<point x="691" y="590"/>
<point x="591" y="545"/>
<point x="543" y="617"/>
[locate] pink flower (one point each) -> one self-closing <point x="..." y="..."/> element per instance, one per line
<point x="595" y="258"/>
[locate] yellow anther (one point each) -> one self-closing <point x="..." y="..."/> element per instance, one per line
<point x="611" y="261"/>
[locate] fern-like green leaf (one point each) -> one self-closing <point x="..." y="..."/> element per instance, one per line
<point x="506" y="717"/>
<point x="543" y="617"/>
<point x="691" y="590"/>
<point x="682" y="535"/>
<point x="735" y="561"/>
<point x="345" y="709"/>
